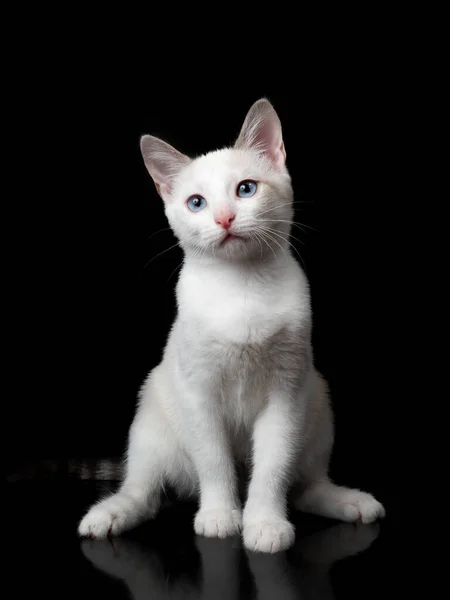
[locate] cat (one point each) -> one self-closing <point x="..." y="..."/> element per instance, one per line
<point x="237" y="382"/>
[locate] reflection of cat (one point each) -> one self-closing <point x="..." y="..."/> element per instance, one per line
<point x="237" y="379"/>
<point x="303" y="573"/>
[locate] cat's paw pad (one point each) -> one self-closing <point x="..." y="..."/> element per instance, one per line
<point x="271" y="535"/>
<point x="101" y="522"/>
<point x="364" y="508"/>
<point x="219" y="523"/>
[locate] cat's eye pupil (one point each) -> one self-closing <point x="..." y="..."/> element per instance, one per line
<point x="196" y="203"/>
<point x="246" y="189"/>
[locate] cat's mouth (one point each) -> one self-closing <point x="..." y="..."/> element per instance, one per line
<point x="229" y="238"/>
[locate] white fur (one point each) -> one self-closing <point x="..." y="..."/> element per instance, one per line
<point x="237" y="380"/>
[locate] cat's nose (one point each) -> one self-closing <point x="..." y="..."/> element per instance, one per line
<point x="225" y="219"/>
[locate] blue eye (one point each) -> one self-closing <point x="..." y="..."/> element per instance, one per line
<point x="246" y="189"/>
<point x="196" y="203"/>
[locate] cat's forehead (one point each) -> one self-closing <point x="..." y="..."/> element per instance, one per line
<point x="222" y="165"/>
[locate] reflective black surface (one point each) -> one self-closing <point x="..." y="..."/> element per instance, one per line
<point x="165" y="559"/>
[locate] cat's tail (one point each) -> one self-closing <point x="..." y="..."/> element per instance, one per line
<point x="94" y="469"/>
<point x="100" y="469"/>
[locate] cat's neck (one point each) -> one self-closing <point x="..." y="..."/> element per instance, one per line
<point x="257" y="267"/>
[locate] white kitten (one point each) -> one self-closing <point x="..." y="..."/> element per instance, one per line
<point x="237" y="380"/>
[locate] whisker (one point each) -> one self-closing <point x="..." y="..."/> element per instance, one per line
<point x="294" y="223"/>
<point x="265" y="241"/>
<point x="260" y="245"/>
<point x="159" y="231"/>
<point x="268" y="235"/>
<point x="163" y="252"/>
<point x="290" y="244"/>
<point x="176" y="269"/>
<point x="278" y="206"/>
<point x="198" y="250"/>
<point x="284" y="233"/>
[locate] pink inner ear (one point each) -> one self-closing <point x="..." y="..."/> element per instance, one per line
<point x="163" y="162"/>
<point x="269" y="141"/>
<point x="279" y="156"/>
<point x="163" y="190"/>
<point x="262" y="132"/>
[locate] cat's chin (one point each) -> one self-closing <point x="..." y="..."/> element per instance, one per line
<point x="238" y="249"/>
<point x="231" y="238"/>
<point x="234" y="246"/>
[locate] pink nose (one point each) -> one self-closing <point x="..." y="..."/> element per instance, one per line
<point x="225" y="220"/>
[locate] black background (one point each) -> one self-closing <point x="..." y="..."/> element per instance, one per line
<point x="92" y="312"/>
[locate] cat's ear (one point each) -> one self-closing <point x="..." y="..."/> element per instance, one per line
<point x="163" y="163"/>
<point x="261" y="131"/>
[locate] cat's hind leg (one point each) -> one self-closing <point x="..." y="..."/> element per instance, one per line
<point x="316" y="493"/>
<point x="326" y="499"/>
<point x="153" y="457"/>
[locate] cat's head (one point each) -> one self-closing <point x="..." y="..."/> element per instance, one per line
<point x="234" y="203"/>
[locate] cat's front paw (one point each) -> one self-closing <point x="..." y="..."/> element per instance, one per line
<point x="102" y="521"/>
<point x="269" y="535"/>
<point x="221" y="522"/>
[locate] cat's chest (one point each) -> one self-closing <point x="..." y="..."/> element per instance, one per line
<point x="236" y="316"/>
